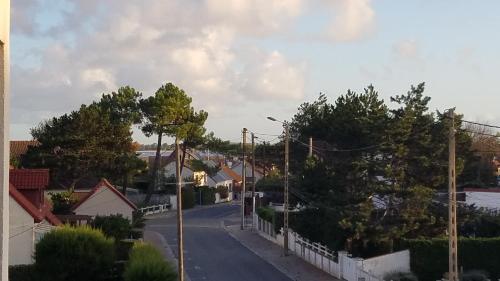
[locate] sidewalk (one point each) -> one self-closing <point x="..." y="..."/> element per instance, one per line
<point x="157" y="240"/>
<point x="292" y="266"/>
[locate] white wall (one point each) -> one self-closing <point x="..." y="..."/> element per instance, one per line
<point x="483" y="199"/>
<point x="21" y="240"/>
<point x="394" y="262"/>
<point x="105" y="202"/>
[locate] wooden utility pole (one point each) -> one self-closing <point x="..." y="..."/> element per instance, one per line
<point x="452" y="204"/>
<point x="243" y="180"/>
<point x="4" y="138"/>
<point x="253" y="180"/>
<point x="285" y="205"/>
<point x="180" y="240"/>
<point x="310" y="147"/>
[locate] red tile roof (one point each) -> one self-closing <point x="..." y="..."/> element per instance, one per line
<point x="29" y="178"/>
<point x="38" y="215"/>
<point x="19" y="148"/>
<point x="231" y="173"/>
<point x="105" y="183"/>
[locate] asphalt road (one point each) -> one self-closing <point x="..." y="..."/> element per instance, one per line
<point x="210" y="253"/>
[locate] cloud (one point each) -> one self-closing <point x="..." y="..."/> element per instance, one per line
<point x="353" y="20"/>
<point x="101" y="45"/>
<point x="406" y="49"/>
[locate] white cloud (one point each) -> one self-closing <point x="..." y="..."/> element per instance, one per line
<point x="353" y="19"/>
<point x="406" y="49"/>
<point x="100" y="46"/>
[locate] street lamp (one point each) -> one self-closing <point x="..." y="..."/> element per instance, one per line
<point x="285" y="195"/>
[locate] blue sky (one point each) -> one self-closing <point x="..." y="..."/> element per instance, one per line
<point x="243" y="60"/>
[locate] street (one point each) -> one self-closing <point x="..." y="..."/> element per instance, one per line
<point x="210" y="253"/>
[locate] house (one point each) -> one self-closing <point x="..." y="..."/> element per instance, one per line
<point x="30" y="214"/>
<point x="238" y="169"/>
<point x="19" y="148"/>
<point x="488" y="198"/>
<point x="104" y="200"/>
<point x="220" y="179"/>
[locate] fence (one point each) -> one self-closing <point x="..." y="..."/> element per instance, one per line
<point x="338" y="264"/>
<point x="155" y="209"/>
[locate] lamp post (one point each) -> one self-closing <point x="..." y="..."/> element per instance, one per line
<point x="285" y="195"/>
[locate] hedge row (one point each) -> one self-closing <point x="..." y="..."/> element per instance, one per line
<point x="429" y="258"/>
<point x="206" y="195"/>
<point x="147" y="263"/>
<point x="188" y="197"/>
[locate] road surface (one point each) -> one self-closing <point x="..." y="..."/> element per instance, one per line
<point x="210" y="253"/>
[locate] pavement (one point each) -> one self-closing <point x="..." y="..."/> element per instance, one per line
<point x="215" y="248"/>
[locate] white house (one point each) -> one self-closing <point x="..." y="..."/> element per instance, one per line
<point x="27" y="225"/>
<point x="238" y="169"/>
<point x="488" y="198"/>
<point x="104" y="200"/>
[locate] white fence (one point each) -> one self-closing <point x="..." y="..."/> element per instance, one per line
<point x="338" y="264"/>
<point x="155" y="209"/>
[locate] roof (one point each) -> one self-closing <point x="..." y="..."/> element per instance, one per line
<point x="38" y="215"/>
<point x="228" y="171"/>
<point x="20" y="147"/>
<point x="29" y="178"/>
<point x="101" y="184"/>
<point x="219" y="178"/>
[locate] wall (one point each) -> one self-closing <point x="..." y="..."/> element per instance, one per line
<point x="21" y="234"/>
<point x="395" y="262"/>
<point x="4" y="136"/>
<point x="105" y="202"/>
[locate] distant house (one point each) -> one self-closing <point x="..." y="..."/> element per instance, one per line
<point x="19" y="148"/>
<point x="238" y="169"/>
<point x="30" y="214"/>
<point x="488" y="198"/>
<point x="104" y="200"/>
<point x="220" y="179"/>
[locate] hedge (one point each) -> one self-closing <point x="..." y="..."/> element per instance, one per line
<point x="25" y="272"/>
<point x="115" y="226"/>
<point x="74" y="253"/>
<point x="147" y="263"/>
<point x="187" y="198"/>
<point x="223" y="191"/>
<point x="429" y="258"/>
<point x="207" y="195"/>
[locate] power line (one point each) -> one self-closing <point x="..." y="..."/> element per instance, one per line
<point x="481" y="124"/>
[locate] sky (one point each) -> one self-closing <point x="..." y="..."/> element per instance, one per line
<point x="243" y="60"/>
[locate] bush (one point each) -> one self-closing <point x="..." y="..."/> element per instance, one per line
<point x="400" y="276"/>
<point x="62" y="202"/>
<point x="223" y="191"/>
<point x="23" y="273"/>
<point x="474" y="275"/>
<point x="146" y="263"/>
<point x="187" y="197"/>
<point x="206" y="194"/>
<point x="123" y="248"/>
<point x="429" y="258"/>
<point x="115" y="226"/>
<point x="74" y="253"/>
<point x="266" y="213"/>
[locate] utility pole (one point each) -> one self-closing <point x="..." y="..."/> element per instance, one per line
<point x="179" y="211"/>
<point x="253" y="180"/>
<point x="285" y="205"/>
<point x="4" y="138"/>
<point x="244" y="180"/>
<point x="452" y="204"/>
<point x="310" y="147"/>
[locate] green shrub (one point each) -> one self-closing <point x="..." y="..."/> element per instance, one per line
<point x="123" y="248"/>
<point x="146" y="263"/>
<point x="62" y="202"/>
<point x="223" y="191"/>
<point x="115" y="226"/>
<point x="187" y="197"/>
<point x="400" y="276"/>
<point x="74" y="253"/>
<point x="429" y="258"/>
<point x="206" y="195"/>
<point x="266" y="214"/>
<point x="474" y="275"/>
<point x="25" y="272"/>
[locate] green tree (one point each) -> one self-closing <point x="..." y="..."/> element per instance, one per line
<point x="169" y="112"/>
<point x="87" y="142"/>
